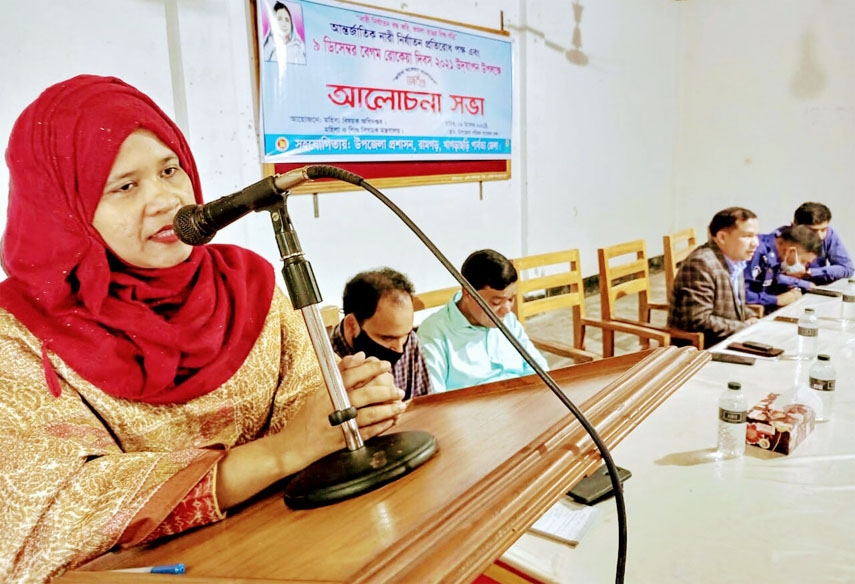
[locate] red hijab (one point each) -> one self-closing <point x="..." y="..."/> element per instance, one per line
<point x="145" y="334"/>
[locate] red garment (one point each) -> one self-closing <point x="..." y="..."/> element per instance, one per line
<point x="152" y="335"/>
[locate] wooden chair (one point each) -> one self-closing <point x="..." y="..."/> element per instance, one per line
<point x="677" y="247"/>
<point x="632" y="277"/>
<point x="434" y="298"/>
<point x="564" y="289"/>
<point x="331" y="316"/>
<point x="431" y="299"/>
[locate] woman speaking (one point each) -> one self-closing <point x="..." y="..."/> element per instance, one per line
<point x="147" y="386"/>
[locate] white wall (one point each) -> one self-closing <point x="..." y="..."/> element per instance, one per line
<point x="684" y="108"/>
<point x="600" y="137"/>
<point x="768" y="109"/>
<point x="209" y="66"/>
<point x="42" y="47"/>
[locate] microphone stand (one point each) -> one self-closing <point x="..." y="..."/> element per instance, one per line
<point x="363" y="465"/>
<point x="323" y="171"/>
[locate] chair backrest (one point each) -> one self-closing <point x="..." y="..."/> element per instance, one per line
<point x="330" y="315"/>
<point x="623" y="272"/>
<point x="559" y="287"/>
<point x="677" y="247"/>
<point x="433" y="298"/>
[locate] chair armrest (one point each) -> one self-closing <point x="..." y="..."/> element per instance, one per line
<point x="563" y="350"/>
<point x="644" y="331"/>
<point x="695" y="338"/>
<point x="651" y="306"/>
<point x="756" y="309"/>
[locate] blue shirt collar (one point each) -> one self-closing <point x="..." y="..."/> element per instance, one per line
<point x="734" y="267"/>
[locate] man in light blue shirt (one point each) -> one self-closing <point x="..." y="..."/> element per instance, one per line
<point x="461" y="345"/>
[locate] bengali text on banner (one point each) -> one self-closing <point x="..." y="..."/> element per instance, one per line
<point x="347" y="83"/>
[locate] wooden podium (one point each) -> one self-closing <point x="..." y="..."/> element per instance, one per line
<point x="507" y="452"/>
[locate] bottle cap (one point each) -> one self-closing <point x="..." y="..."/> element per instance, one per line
<point x="734" y="385"/>
<point x="823" y="357"/>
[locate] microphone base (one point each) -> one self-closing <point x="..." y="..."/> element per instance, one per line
<point x="346" y="474"/>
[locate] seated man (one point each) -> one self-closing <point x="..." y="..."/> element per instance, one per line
<point x="773" y="276"/>
<point x="378" y="320"/>
<point x="462" y="346"/>
<point x="833" y="261"/>
<point x="709" y="289"/>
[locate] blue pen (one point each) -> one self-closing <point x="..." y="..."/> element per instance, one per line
<point x="164" y="569"/>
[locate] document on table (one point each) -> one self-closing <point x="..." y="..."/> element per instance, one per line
<point x="566" y="521"/>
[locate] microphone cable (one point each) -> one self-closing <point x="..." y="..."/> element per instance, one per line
<point x="324" y="171"/>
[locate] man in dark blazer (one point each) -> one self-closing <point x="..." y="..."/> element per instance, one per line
<point x="709" y="290"/>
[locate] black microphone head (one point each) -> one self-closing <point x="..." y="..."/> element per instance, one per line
<point x="316" y="171"/>
<point x="189" y="226"/>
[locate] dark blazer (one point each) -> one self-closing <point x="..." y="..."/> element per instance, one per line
<point x="702" y="299"/>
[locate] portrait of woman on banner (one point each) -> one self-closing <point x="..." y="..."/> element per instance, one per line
<point x="283" y="41"/>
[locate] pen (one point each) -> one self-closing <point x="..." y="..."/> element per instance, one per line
<point x="164" y="569"/>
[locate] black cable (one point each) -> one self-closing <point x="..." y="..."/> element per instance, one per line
<point x="323" y="171"/>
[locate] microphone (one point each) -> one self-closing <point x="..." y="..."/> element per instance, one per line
<point x="358" y="468"/>
<point x="197" y="224"/>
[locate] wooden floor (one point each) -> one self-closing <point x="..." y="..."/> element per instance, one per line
<point x="558" y="324"/>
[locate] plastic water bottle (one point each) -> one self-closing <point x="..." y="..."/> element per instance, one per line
<point x="731" y="421"/>
<point x="808" y="335"/>
<point x="848" y="310"/>
<point x="822" y="378"/>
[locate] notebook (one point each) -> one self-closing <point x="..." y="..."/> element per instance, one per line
<point x="565" y="522"/>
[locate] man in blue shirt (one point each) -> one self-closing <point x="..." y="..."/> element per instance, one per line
<point x="833" y="261"/>
<point x="461" y="345"/>
<point x="773" y="276"/>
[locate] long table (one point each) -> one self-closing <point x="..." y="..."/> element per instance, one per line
<point x="765" y="517"/>
<point x="507" y="452"/>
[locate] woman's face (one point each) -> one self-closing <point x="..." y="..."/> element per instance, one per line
<point x="144" y="190"/>
<point x="283" y="19"/>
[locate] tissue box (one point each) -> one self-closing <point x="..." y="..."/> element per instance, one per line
<point x="779" y="425"/>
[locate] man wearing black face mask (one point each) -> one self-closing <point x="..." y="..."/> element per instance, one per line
<point x="378" y="320"/>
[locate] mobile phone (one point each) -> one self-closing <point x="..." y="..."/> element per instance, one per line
<point x="596" y="486"/>
<point x="758" y="346"/>
<point x="730" y="358"/>
<point x="792" y="319"/>
<point x="824" y="292"/>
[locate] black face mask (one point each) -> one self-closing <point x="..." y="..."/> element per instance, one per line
<point x="371" y="348"/>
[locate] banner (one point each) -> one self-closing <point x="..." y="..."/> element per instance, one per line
<point x="345" y="84"/>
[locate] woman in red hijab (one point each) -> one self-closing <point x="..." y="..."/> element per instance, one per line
<point x="147" y="386"/>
